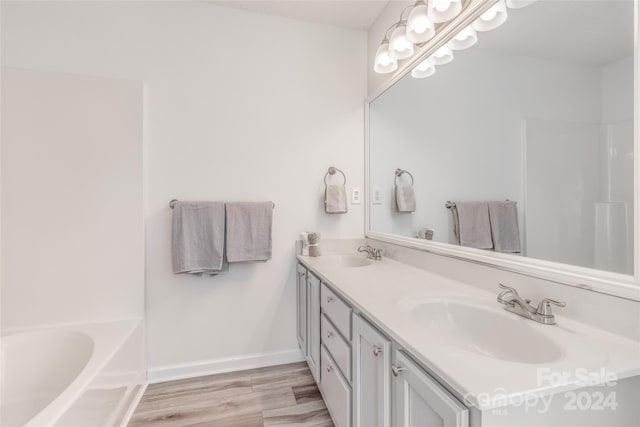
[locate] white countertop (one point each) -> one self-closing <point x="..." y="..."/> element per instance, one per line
<point x="385" y="290"/>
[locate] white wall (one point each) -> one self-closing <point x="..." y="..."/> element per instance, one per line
<point x="461" y="134"/>
<point x="239" y="106"/>
<point x="72" y="212"/>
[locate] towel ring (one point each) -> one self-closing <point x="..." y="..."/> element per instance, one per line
<point x="332" y="171"/>
<point x="399" y="173"/>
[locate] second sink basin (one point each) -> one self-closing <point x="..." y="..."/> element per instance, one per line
<point x="347" y="260"/>
<point x="482" y="331"/>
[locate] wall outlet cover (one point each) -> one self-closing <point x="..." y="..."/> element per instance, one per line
<point x="376" y="196"/>
<point x="356" y="196"/>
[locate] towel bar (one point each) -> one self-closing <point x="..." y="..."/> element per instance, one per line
<point x="332" y="171"/>
<point x="399" y="173"/>
<point x="450" y="204"/>
<point x="172" y="203"/>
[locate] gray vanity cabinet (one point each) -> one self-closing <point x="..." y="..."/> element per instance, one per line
<point x="301" y="308"/>
<point x="366" y="379"/>
<point x="308" y="318"/>
<point x="371" y="375"/>
<point x="313" y="322"/>
<point x="418" y="400"/>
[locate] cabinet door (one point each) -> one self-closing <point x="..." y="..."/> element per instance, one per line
<point x="371" y="375"/>
<point x="301" y="307"/>
<point x="418" y="400"/>
<point x="313" y="338"/>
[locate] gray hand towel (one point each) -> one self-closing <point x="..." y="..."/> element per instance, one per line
<point x="249" y="231"/>
<point x="335" y="199"/>
<point x="198" y="238"/>
<point x="405" y="198"/>
<point x="505" y="232"/>
<point x="471" y="224"/>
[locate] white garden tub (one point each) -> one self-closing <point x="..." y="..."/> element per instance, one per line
<point x="80" y="375"/>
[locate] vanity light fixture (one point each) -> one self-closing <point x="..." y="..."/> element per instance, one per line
<point x="384" y="63"/>
<point x="444" y="10"/>
<point x="442" y="56"/>
<point x="492" y="18"/>
<point x="399" y="46"/>
<point x="420" y="28"/>
<point x="423" y="70"/>
<point x="464" y="39"/>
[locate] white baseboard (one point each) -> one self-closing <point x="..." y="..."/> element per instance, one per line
<point x="218" y="366"/>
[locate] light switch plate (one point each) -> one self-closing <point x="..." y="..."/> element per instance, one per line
<point x="356" y="196"/>
<point x="376" y="196"/>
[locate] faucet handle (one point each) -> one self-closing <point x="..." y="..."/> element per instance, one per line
<point x="507" y="290"/>
<point x="544" y="308"/>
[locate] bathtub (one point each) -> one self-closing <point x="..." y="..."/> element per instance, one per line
<point x="77" y="375"/>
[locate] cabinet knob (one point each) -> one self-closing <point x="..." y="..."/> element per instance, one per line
<point x="329" y="368"/>
<point x="329" y="298"/>
<point x="396" y="369"/>
<point x="329" y="334"/>
<point x="377" y="350"/>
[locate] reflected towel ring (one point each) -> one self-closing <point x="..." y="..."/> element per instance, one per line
<point x="332" y="171"/>
<point x="399" y="173"/>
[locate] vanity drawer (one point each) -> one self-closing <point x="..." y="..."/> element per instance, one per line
<point x="335" y="390"/>
<point x="336" y="310"/>
<point x="339" y="349"/>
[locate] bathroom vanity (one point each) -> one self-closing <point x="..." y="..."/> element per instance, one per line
<point x="394" y="345"/>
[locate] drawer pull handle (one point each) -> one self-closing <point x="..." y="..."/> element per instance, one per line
<point x="329" y="334"/>
<point x="396" y="369"/>
<point x="377" y="350"/>
<point x="329" y="298"/>
<point x="329" y="368"/>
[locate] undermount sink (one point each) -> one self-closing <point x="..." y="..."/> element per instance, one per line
<point x="348" y="260"/>
<point x="488" y="333"/>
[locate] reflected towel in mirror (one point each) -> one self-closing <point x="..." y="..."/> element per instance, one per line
<point x="505" y="232"/>
<point x="405" y="198"/>
<point x="471" y="224"/>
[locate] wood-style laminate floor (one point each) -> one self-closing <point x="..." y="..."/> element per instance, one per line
<point x="284" y="395"/>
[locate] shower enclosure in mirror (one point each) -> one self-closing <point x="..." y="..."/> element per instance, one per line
<point x="539" y="113"/>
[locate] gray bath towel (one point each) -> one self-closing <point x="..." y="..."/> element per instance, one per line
<point x="198" y="238"/>
<point x="405" y="198"/>
<point x="471" y="224"/>
<point x="249" y="231"/>
<point x="335" y="199"/>
<point x="505" y="232"/>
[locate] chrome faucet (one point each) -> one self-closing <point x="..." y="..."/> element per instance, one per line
<point x="372" y="253"/>
<point x="522" y="307"/>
